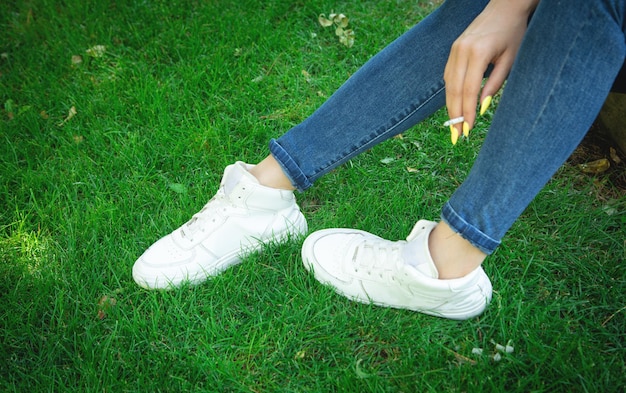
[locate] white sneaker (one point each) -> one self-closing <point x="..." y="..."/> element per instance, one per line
<point x="369" y="269"/>
<point x="237" y="221"/>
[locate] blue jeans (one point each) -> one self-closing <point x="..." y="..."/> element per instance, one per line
<point x="564" y="70"/>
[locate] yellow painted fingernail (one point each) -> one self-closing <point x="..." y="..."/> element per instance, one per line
<point x="485" y="105"/>
<point x="466" y="129"/>
<point x="454" y="135"/>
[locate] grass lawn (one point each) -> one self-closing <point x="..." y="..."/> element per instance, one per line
<point x="117" y="120"/>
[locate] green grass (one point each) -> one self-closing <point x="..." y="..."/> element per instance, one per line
<point x="184" y="89"/>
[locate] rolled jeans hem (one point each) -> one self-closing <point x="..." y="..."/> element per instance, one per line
<point x="468" y="231"/>
<point x="293" y="172"/>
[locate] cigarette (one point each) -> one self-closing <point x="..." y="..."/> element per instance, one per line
<point x="454" y="121"/>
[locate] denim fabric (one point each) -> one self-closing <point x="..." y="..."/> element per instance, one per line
<point x="399" y="87"/>
<point x="565" y="68"/>
<point x="572" y="52"/>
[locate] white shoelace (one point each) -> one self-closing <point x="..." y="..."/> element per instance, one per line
<point x="377" y="256"/>
<point x="382" y="256"/>
<point x="219" y="202"/>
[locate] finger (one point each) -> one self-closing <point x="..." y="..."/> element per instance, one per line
<point x="454" y="77"/>
<point x="494" y="82"/>
<point x="478" y="63"/>
<point x="472" y="85"/>
<point x="492" y="85"/>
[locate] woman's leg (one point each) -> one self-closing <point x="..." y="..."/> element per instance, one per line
<point x="396" y="89"/>
<point x="399" y="87"/>
<point x="564" y="71"/>
<point x="566" y="65"/>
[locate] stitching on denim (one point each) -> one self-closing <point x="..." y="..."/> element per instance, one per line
<point x="281" y="155"/>
<point x="458" y="217"/>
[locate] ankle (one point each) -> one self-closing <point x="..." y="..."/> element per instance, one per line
<point x="269" y="173"/>
<point x="454" y="257"/>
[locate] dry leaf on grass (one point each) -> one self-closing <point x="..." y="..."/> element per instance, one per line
<point x="340" y="21"/>
<point x="70" y="114"/>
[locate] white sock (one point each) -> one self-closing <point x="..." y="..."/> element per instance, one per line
<point x="416" y="254"/>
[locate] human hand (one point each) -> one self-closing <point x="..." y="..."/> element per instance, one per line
<point x="494" y="37"/>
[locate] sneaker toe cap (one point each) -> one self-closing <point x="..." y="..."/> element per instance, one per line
<point x="164" y="265"/>
<point x="320" y="252"/>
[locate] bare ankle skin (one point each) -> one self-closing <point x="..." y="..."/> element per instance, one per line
<point x="270" y="174"/>
<point x="454" y="256"/>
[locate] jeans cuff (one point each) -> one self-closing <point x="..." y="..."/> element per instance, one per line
<point x="292" y="170"/>
<point x="467" y="231"/>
